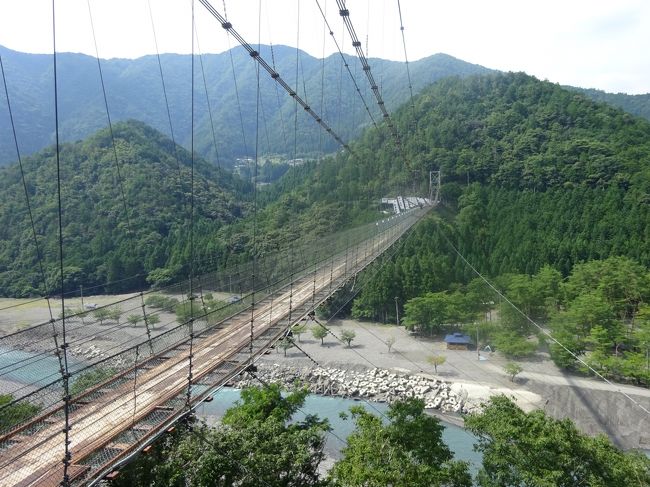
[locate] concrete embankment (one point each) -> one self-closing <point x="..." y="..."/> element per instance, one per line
<point x="379" y="385"/>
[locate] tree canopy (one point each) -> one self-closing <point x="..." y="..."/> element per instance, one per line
<point x="533" y="450"/>
<point x="408" y="451"/>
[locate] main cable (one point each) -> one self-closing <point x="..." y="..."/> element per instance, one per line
<point x="345" y="14"/>
<point x="345" y="63"/>
<point x="274" y="74"/>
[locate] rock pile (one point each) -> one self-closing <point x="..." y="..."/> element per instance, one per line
<point x="88" y="353"/>
<point x="378" y="385"/>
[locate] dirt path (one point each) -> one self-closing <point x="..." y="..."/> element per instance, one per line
<point x="595" y="406"/>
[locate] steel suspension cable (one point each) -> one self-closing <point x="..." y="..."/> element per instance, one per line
<point x="345" y="63"/>
<point x="266" y="129"/>
<point x="110" y="124"/>
<point x="39" y="255"/>
<point x="207" y="99"/>
<point x="65" y="373"/>
<point x="322" y="89"/>
<point x="295" y="153"/>
<point x="234" y="77"/>
<point x="345" y="14"/>
<point x="406" y="59"/>
<point x="191" y="283"/>
<point x="257" y="141"/>
<point x="274" y="74"/>
<point x="277" y="95"/>
<point x="164" y="88"/>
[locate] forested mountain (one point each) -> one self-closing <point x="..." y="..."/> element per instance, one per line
<point x="134" y="91"/>
<point x="103" y="241"/>
<point x="534" y="174"/>
<point x="634" y="104"/>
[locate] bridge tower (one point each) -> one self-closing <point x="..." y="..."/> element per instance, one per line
<point x="434" y="187"/>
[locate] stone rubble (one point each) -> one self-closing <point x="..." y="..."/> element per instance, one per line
<point x="379" y="385"/>
<point x="88" y="353"/>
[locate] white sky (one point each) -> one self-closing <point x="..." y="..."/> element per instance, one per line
<point x="601" y="44"/>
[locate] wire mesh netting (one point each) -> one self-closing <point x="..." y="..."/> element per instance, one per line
<point x="154" y="370"/>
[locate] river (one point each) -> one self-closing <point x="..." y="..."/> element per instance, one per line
<point x="459" y="441"/>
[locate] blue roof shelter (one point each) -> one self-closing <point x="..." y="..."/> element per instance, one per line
<point x="458" y="341"/>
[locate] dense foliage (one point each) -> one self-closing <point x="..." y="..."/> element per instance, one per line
<point x="258" y="443"/>
<point x="108" y="247"/>
<point x="634" y="104"/>
<point x="533" y="450"/>
<point x="408" y="451"/>
<point x="255" y="444"/>
<point x="534" y="175"/>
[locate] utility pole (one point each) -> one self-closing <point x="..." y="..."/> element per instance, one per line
<point x="397" y="310"/>
<point x="478" y="350"/>
<point x="81" y="291"/>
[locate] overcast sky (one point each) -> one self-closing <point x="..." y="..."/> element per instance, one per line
<point x="601" y="44"/>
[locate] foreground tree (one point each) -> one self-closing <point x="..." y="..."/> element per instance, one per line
<point x="253" y="446"/>
<point x="531" y="450"/>
<point x="406" y="452"/>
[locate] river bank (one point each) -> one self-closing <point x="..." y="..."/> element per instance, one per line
<point x="377" y="385"/>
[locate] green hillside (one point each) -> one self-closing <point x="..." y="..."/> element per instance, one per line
<point x="548" y="194"/>
<point x="533" y="174"/>
<point x="101" y="243"/>
<point x="635" y="104"/>
<point x="134" y="91"/>
<point x="538" y="181"/>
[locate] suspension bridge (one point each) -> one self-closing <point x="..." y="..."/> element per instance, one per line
<point x="55" y="433"/>
<point x="157" y="382"/>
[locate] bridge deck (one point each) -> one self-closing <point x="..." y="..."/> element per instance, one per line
<point x="122" y="417"/>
